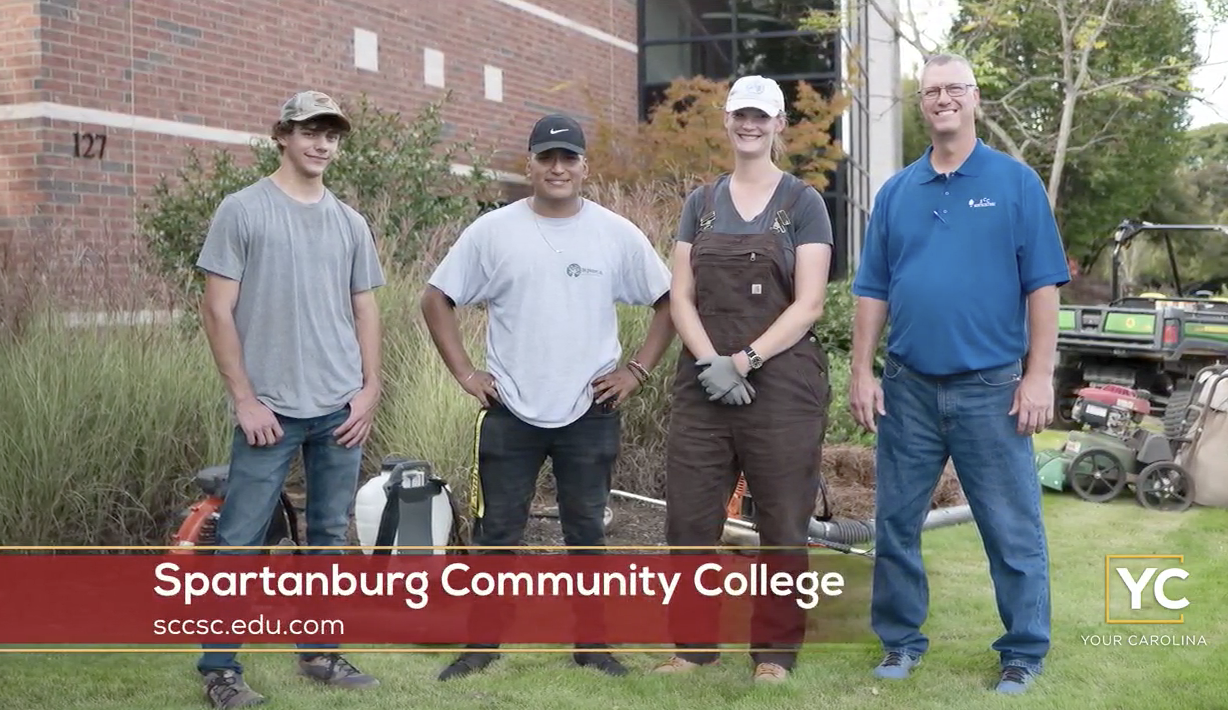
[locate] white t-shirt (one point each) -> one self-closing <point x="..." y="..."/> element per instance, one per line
<point x="551" y="286"/>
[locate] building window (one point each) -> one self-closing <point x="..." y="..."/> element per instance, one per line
<point x="726" y="39"/>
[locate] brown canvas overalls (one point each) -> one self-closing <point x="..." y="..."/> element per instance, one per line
<point x="742" y="285"/>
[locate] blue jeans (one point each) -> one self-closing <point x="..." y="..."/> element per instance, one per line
<point x="257" y="476"/>
<point x="964" y="417"/>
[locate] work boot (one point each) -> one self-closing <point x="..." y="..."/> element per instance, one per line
<point x="676" y="664"/>
<point x="770" y="673"/>
<point x="334" y="669"/>
<point x="602" y="661"/>
<point x="468" y="662"/>
<point x="226" y="690"/>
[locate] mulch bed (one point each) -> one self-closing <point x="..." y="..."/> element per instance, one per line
<point x="848" y="472"/>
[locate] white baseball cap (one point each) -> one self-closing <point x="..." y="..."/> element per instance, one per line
<point x="756" y="92"/>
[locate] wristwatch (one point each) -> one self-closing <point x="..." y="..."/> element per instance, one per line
<point x="756" y="362"/>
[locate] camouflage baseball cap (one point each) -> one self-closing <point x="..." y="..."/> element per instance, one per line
<point x="311" y="104"/>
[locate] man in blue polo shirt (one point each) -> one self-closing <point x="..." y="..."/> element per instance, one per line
<point x="962" y="256"/>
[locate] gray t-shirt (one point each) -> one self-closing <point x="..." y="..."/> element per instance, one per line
<point x="809" y="222"/>
<point x="299" y="265"/>
<point x="551" y="287"/>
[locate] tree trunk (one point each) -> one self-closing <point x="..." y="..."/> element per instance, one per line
<point x="1065" y="126"/>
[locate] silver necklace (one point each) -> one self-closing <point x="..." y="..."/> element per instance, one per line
<point x="537" y="224"/>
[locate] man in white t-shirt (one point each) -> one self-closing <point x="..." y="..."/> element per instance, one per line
<point x="551" y="270"/>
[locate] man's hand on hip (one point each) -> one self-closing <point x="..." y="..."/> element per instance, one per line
<point x="1033" y="403"/>
<point x="258" y="422"/>
<point x="357" y="427"/>
<point x="481" y="385"/>
<point x="618" y="385"/>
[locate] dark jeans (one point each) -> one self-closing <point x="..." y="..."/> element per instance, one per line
<point x="511" y="453"/>
<point x="257" y="476"/>
<point x="963" y="417"/>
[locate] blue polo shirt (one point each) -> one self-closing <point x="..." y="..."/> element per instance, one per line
<point x="955" y="257"/>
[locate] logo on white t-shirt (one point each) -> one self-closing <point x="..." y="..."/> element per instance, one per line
<point x="575" y="271"/>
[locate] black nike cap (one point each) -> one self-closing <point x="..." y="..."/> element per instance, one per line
<point x="557" y="131"/>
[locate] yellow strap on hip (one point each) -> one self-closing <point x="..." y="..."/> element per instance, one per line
<point x="476" y="506"/>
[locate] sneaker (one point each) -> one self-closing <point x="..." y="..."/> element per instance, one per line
<point x="468" y="662"/>
<point x="226" y="690"/>
<point x="896" y="665"/>
<point x="1014" y="680"/>
<point x="334" y="669"/>
<point x="604" y="662"/>
<point x="770" y="673"/>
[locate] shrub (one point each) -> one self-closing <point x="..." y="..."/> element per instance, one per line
<point x="684" y="138"/>
<point x="99" y="427"/>
<point x="397" y="172"/>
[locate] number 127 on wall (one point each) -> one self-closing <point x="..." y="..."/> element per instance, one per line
<point x="89" y="145"/>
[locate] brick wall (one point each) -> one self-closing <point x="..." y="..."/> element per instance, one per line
<point x="228" y="64"/>
<point x="19" y="139"/>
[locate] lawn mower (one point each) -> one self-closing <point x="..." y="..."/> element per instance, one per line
<point x="1114" y="451"/>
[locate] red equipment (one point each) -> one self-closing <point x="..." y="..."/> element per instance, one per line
<point x="1117" y="397"/>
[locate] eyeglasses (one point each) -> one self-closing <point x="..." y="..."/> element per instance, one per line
<point x="953" y="90"/>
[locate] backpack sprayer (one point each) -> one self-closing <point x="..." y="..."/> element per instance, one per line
<point x="406" y="505"/>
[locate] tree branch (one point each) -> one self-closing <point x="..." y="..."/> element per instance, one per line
<point x="1134" y="79"/>
<point x="1102" y="138"/>
<point x="1005" y="98"/>
<point x="893" y="20"/>
<point x="1001" y="134"/>
<point x="1024" y="124"/>
<point x="1071" y="98"/>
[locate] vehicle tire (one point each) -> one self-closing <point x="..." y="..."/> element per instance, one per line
<point x="1175" y="410"/>
<point x="1065" y="386"/>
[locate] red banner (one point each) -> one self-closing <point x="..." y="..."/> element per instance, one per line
<point x="454" y="599"/>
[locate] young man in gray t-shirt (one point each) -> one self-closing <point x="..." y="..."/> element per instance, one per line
<point x="292" y="322"/>
<point x="551" y="270"/>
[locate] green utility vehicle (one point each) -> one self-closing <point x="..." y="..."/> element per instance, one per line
<point x="1153" y="341"/>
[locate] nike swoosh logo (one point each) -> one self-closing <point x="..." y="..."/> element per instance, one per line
<point x="560" y="130"/>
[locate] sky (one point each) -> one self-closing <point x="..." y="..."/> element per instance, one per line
<point x="1210" y="80"/>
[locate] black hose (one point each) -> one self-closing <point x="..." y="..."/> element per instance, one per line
<point x="847" y="531"/>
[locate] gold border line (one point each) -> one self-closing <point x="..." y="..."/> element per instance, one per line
<point x="666" y="648"/>
<point x="563" y="548"/>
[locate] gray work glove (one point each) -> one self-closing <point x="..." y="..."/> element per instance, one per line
<point x="721" y="379"/>
<point x="743" y="393"/>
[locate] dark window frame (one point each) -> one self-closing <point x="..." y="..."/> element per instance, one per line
<point x="836" y="193"/>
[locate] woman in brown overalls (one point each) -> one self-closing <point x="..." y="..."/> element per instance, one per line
<point x="751" y="392"/>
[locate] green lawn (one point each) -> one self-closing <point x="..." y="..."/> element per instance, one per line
<point x="957" y="674"/>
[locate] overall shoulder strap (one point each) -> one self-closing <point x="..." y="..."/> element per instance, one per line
<point x="710" y="195"/>
<point x="707" y="215"/>
<point x="782" y="221"/>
